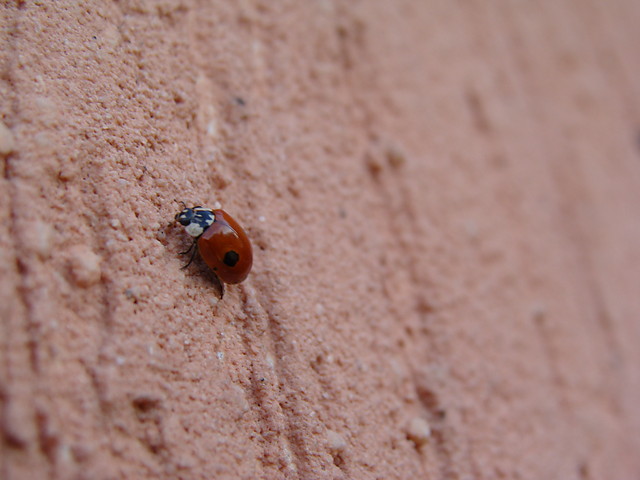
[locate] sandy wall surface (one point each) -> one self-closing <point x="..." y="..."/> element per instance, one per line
<point x="443" y="203"/>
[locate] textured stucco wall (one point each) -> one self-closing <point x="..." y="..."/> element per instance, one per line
<point x="443" y="201"/>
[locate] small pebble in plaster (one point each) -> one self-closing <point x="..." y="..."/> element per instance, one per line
<point x="110" y="38"/>
<point x="132" y="294"/>
<point x="418" y="431"/>
<point x="373" y="163"/>
<point x="7" y="144"/>
<point x="14" y="428"/>
<point x="396" y="156"/>
<point x="270" y="361"/>
<point x="383" y="152"/>
<point x="288" y="457"/>
<point x="64" y="454"/>
<point x="44" y="141"/>
<point x="48" y="112"/>
<point x="81" y="451"/>
<point x="237" y="398"/>
<point x="84" y="266"/>
<point x="212" y="128"/>
<point x="538" y="311"/>
<point x="221" y="241"/>
<point x="146" y="403"/>
<point x="69" y="170"/>
<point x="335" y="442"/>
<point x="213" y="301"/>
<point x="39" y="239"/>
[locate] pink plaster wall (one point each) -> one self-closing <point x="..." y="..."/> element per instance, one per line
<point x="443" y="200"/>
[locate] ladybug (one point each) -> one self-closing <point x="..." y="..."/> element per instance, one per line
<point x="221" y="241"/>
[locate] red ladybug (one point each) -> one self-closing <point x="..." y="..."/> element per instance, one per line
<point x="221" y="241"/>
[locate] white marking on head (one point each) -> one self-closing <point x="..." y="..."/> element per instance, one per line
<point x="194" y="229"/>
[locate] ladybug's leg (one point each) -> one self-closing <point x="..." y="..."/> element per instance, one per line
<point x="189" y="249"/>
<point x="193" y="254"/>
<point x="220" y="285"/>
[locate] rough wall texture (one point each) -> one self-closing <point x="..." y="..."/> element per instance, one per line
<point x="443" y="200"/>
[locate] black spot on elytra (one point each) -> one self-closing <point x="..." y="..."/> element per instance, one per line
<point x="231" y="258"/>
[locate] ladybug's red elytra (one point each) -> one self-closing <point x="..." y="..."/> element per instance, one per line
<point x="221" y="241"/>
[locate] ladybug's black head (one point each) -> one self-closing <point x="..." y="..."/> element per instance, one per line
<point x="196" y="220"/>
<point x="185" y="216"/>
